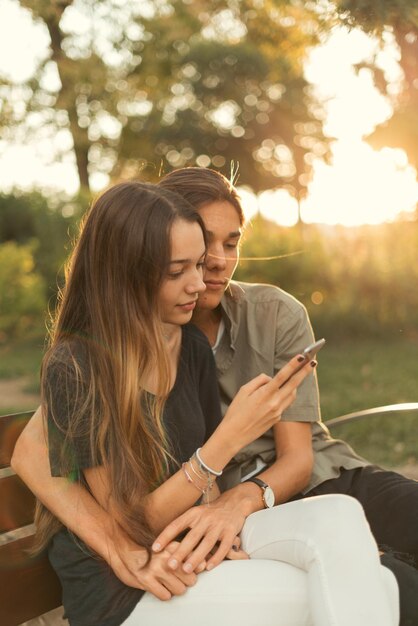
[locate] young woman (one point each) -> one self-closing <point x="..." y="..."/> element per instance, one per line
<point x="129" y="395"/>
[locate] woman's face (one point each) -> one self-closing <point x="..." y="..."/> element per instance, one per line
<point x="224" y="232"/>
<point x="183" y="282"/>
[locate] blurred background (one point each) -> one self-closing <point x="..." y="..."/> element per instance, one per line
<point x="312" y="106"/>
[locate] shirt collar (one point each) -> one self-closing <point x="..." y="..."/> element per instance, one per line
<point x="230" y="308"/>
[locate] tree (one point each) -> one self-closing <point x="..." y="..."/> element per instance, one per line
<point x="177" y="83"/>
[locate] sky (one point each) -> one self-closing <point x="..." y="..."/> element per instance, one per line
<point x="359" y="186"/>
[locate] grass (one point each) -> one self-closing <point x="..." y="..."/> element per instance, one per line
<point x="356" y="375"/>
<point x="22" y="358"/>
<point x="353" y="375"/>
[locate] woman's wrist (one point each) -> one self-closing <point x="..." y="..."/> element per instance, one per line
<point x="219" y="449"/>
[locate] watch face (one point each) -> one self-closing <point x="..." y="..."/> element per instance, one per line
<point x="268" y="497"/>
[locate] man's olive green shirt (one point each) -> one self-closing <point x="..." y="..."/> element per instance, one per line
<point x="264" y="328"/>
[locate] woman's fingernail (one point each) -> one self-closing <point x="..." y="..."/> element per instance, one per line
<point x="173" y="563"/>
<point x="301" y="358"/>
<point x="314" y="363"/>
<point x="156" y="547"/>
<point x="188" y="567"/>
<point x="209" y="567"/>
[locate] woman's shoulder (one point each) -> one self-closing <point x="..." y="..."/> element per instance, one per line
<point x="66" y="358"/>
<point x="195" y="339"/>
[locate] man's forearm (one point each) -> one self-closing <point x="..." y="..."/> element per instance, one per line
<point x="287" y="476"/>
<point x="70" y="502"/>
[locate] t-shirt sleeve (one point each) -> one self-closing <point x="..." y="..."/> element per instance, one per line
<point x="68" y="416"/>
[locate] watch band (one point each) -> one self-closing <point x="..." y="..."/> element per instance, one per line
<point x="268" y="493"/>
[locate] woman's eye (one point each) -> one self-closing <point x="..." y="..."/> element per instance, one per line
<point x="174" y="275"/>
<point x="231" y="246"/>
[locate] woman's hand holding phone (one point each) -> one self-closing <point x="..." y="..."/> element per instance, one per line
<point x="307" y="356"/>
<point x="260" y="403"/>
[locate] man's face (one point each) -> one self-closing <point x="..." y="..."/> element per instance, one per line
<point x="224" y="232"/>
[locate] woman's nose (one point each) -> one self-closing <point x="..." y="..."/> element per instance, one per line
<point x="197" y="285"/>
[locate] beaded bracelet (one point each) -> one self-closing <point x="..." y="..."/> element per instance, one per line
<point x="204" y="466"/>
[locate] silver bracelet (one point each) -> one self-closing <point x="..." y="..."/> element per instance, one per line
<point x="190" y="479"/>
<point x="208" y="477"/>
<point x="206" y="467"/>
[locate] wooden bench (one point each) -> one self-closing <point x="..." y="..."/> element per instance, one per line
<point x="29" y="586"/>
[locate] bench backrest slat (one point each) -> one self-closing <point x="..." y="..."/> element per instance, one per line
<point x="29" y="586"/>
<point x="17" y="504"/>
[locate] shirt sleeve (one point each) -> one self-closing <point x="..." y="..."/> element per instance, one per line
<point x="293" y="334"/>
<point x="68" y="416"/>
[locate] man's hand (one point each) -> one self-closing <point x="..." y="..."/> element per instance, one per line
<point x="154" y="575"/>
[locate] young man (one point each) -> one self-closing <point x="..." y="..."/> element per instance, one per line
<point x="257" y="328"/>
<point x="254" y="328"/>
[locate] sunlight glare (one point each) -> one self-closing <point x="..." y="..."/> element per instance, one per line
<point x="361" y="187"/>
<point x="22" y="167"/>
<point x="23" y="44"/>
<point x="249" y="202"/>
<point x="279" y="206"/>
<point x="352" y="103"/>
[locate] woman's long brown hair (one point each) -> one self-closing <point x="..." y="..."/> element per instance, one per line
<point x="107" y="338"/>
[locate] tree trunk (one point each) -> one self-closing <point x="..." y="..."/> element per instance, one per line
<point x="68" y="96"/>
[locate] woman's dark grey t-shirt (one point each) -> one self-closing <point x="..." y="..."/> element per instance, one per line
<point x="92" y="594"/>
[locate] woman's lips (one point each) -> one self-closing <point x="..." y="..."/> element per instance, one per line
<point x="188" y="306"/>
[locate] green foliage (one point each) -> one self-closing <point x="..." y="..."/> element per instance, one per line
<point x="29" y="218"/>
<point x="374" y="15"/>
<point x="355" y="282"/>
<point x="22" y="299"/>
<point x="225" y="94"/>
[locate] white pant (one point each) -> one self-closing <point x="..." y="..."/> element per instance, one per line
<point x="313" y="562"/>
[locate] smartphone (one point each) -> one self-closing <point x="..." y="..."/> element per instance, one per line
<point x="309" y="353"/>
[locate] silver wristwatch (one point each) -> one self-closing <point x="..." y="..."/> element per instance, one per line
<point x="268" y="493"/>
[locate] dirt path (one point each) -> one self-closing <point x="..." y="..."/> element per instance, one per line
<point x="13" y="395"/>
